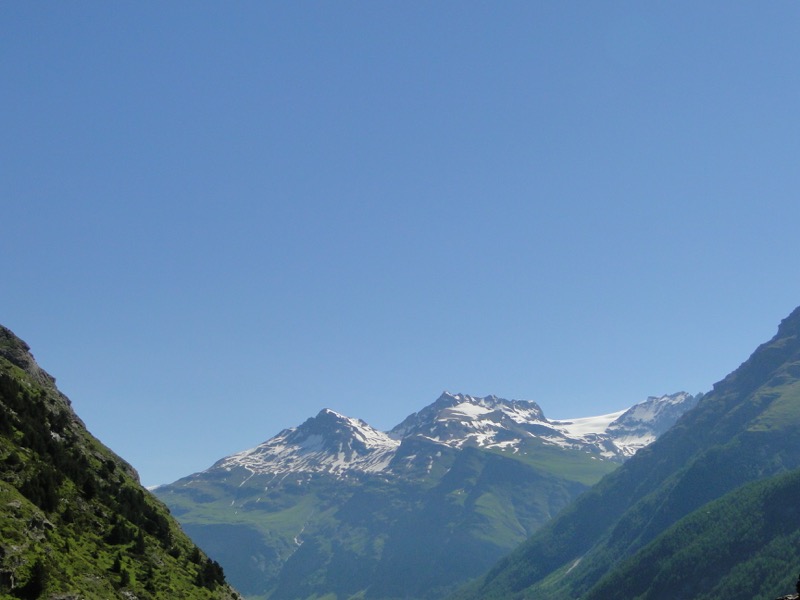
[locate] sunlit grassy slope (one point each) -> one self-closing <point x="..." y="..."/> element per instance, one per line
<point x="74" y="521"/>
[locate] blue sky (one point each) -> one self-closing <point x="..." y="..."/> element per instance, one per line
<point x="219" y="218"/>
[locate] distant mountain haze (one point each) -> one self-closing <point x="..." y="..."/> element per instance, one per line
<point x="334" y="506"/>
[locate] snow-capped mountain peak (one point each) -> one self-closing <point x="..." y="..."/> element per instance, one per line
<point x="460" y="419"/>
<point x="337" y="429"/>
<point x="339" y="445"/>
<point x="329" y="442"/>
<point x="625" y="432"/>
<point x="641" y="424"/>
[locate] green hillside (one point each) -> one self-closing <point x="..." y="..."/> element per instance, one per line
<point x="747" y="429"/>
<point x="74" y="521"/>
<point x="373" y="536"/>
<point x="744" y="546"/>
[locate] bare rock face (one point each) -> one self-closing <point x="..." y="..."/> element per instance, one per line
<point x="18" y="353"/>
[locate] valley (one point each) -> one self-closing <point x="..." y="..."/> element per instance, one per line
<point x="336" y="506"/>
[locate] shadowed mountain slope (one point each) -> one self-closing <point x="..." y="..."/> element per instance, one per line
<point x="746" y="429"/>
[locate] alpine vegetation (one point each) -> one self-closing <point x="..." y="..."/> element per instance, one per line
<point x="334" y="506"/>
<point x="709" y="511"/>
<point x="74" y="521"/>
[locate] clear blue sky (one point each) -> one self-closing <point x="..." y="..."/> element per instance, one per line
<point x="219" y="218"/>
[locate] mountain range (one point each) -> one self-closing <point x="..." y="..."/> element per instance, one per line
<point x="709" y="511"/>
<point x="679" y="497"/>
<point x="75" y="524"/>
<point x="335" y="506"/>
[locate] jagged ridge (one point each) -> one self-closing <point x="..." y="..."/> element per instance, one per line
<point x="340" y="445"/>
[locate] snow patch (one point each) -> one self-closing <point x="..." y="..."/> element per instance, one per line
<point x="587" y="425"/>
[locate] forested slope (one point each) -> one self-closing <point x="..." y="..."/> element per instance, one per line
<point x="74" y="520"/>
<point x="747" y="429"/>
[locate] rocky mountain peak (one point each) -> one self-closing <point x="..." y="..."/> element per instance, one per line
<point x="327" y="422"/>
<point x="330" y="415"/>
<point x="328" y="443"/>
<point x="454" y="415"/>
<point x="790" y="326"/>
<point x="653" y="416"/>
<point x="18" y="353"/>
<point x="338" y="433"/>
